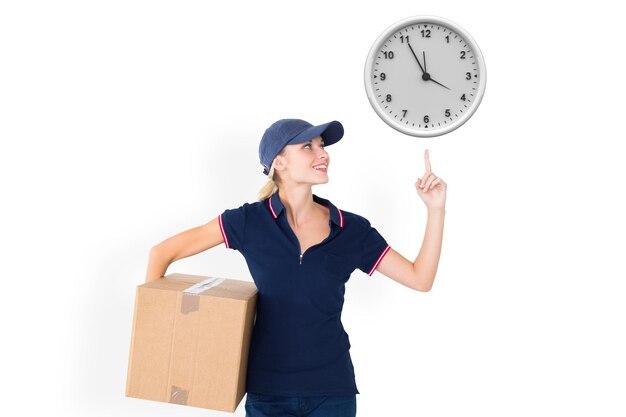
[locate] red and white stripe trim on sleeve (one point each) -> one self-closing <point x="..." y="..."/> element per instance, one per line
<point x="380" y="258"/>
<point x="222" y="230"/>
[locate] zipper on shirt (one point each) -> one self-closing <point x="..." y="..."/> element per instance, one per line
<point x="302" y="254"/>
<point x="317" y="244"/>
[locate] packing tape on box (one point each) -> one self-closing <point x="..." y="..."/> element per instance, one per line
<point x="178" y="395"/>
<point x="191" y="299"/>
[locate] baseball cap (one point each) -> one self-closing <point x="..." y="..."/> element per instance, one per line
<point x="291" y="131"/>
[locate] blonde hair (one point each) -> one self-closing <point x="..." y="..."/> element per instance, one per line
<point x="271" y="186"/>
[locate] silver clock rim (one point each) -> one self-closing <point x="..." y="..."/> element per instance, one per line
<point x="369" y="88"/>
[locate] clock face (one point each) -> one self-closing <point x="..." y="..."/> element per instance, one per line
<point x="425" y="76"/>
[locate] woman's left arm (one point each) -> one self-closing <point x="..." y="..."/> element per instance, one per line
<point x="420" y="274"/>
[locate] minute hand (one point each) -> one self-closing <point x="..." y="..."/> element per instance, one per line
<point x="418" y="61"/>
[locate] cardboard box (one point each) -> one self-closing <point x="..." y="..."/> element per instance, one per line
<point x="190" y="343"/>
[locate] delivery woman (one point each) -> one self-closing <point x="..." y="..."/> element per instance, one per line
<point x="301" y="250"/>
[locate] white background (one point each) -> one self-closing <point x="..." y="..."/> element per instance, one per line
<point x="126" y="122"/>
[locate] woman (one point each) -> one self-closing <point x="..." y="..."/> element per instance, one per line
<point x="301" y="250"/>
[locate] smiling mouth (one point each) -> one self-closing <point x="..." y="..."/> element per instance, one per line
<point x="321" y="167"/>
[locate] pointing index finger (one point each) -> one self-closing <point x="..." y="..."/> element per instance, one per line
<point x="427" y="161"/>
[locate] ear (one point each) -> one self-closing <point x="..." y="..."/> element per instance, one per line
<point x="279" y="163"/>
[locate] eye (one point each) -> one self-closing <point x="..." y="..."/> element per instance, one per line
<point x="309" y="145"/>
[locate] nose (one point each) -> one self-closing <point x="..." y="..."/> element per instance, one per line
<point x="322" y="154"/>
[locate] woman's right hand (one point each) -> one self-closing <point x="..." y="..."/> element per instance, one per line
<point x="183" y="245"/>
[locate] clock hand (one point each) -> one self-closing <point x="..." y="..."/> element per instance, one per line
<point x="426" y="75"/>
<point x="418" y="61"/>
<point x="438" y="83"/>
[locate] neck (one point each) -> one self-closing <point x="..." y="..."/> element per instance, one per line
<point x="299" y="204"/>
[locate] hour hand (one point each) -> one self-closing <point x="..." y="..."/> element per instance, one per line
<point x="426" y="76"/>
<point x="418" y="61"/>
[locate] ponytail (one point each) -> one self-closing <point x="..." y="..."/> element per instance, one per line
<point x="270" y="188"/>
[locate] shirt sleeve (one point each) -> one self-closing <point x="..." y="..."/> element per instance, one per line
<point x="375" y="248"/>
<point x="233" y="225"/>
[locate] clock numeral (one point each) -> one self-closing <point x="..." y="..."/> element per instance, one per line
<point x="462" y="54"/>
<point x="383" y="76"/>
<point x="404" y="113"/>
<point x="388" y="54"/>
<point x="426" y="119"/>
<point x="426" y="33"/>
<point x="463" y="97"/>
<point x="389" y="97"/>
<point x="447" y="113"/>
<point x="468" y="76"/>
<point x="447" y="38"/>
<point x="402" y="38"/>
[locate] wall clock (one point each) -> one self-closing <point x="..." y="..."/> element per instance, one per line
<point x="425" y="76"/>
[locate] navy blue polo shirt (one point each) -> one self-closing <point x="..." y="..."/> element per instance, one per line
<point x="299" y="346"/>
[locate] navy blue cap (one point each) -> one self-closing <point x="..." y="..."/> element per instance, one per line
<point x="291" y="131"/>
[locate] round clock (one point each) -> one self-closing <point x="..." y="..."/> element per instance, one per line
<point x="425" y="76"/>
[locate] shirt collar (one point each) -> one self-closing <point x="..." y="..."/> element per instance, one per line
<point x="275" y="207"/>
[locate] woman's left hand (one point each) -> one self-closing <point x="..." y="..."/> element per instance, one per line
<point x="430" y="188"/>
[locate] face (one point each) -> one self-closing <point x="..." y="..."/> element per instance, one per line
<point x="297" y="162"/>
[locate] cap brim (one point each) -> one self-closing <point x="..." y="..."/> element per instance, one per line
<point x="331" y="132"/>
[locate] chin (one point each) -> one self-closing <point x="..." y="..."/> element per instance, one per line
<point x="322" y="181"/>
<point x="318" y="182"/>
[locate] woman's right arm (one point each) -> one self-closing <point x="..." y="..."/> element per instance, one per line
<point x="182" y="245"/>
